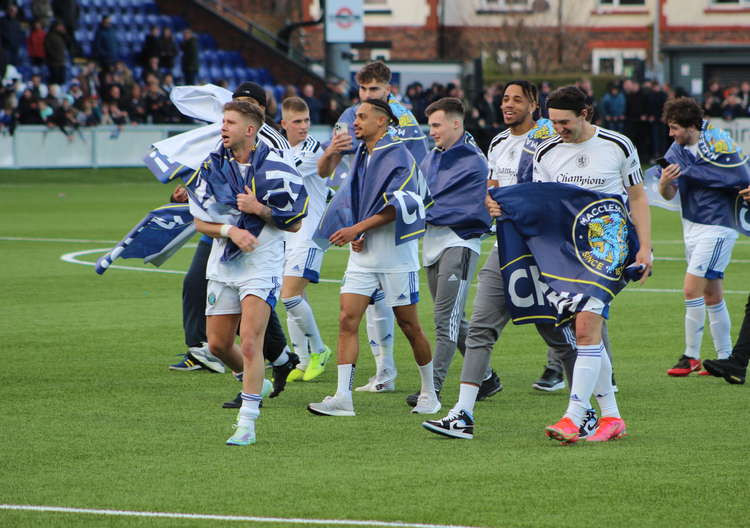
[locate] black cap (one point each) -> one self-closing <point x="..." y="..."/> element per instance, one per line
<point x="251" y="89"/>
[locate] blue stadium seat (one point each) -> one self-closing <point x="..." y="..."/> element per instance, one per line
<point x="152" y="20"/>
<point x="179" y="23"/>
<point x="215" y="73"/>
<point x="206" y="41"/>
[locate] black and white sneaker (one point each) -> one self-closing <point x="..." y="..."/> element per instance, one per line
<point x="489" y="387"/>
<point x="411" y="399"/>
<point x="458" y="424"/>
<point x="590" y="422"/>
<point x="550" y="381"/>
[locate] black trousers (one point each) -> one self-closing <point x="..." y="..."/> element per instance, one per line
<point x="194" y="308"/>
<point x="742" y="347"/>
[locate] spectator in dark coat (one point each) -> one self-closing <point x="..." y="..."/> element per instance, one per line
<point x="167" y="50"/>
<point x="150" y="46"/>
<point x="27" y="112"/>
<point x="308" y="94"/>
<point x="105" y="44"/>
<point x="744" y="95"/>
<point x="659" y="133"/>
<point x="135" y="106"/>
<point x="67" y="12"/>
<point x="56" y="53"/>
<point x="11" y="35"/>
<point x="612" y="109"/>
<point x="711" y="105"/>
<point x="731" y="108"/>
<point x="636" y="126"/>
<point x="35" y="43"/>
<point x="190" y="52"/>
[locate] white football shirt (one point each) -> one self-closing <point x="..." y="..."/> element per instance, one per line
<point x="308" y="152"/>
<point x="607" y="162"/>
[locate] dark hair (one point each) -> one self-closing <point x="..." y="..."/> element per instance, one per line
<point x="568" y="98"/>
<point x="374" y="72"/>
<point x="449" y="105"/>
<point x="684" y="111"/>
<point x="529" y="90"/>
<point x="383" y="107"/>
<point x="251" y="111"/>
<point x="294" y="104"/>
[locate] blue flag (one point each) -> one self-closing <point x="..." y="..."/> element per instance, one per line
<point x="407" y="130"/>
<point x="390" y="177"/>
<point x="274" y="181"/>
<point x="709" y="182"/>
<point x="165" y="169"/>
<point x="457" y="182"/>
<point x="581" y="242"/>
<point x="541" y="132"/>
<point x="155" y="238"/>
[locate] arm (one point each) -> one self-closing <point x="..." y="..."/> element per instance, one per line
<point x="667" y="183"/>
<point x="248" y="203"/>
<point x="642" y="219"/>
<point x="332" y="155"/>
<point x="243" y="238"/>
<point x="348" y="234"/>
<point x="745" y="193"/>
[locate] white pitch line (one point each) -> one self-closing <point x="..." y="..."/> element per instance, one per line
<point x="240" y="518"/>
<point x="682" y="259"/>
<point x="72" y="258"/>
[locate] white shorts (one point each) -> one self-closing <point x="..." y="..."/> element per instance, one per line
<point x="303" y="262"/>
<point x="399" y="289"/>
<point x="596" y="306"/>
<point x="226" y="298"/>
<point x="708" y="257"/>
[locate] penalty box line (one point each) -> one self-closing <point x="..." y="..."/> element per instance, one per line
<point x="231" y="518"/>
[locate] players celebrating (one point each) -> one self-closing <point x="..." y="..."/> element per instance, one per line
<point x="303" y="256"/>
<point x="601" y="160"/>
<point x="243" y="196"/>
<point x="709" y="239"/>
<point x="378" y="211"/>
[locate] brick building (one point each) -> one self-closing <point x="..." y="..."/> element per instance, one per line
<point x="698" y="39"/>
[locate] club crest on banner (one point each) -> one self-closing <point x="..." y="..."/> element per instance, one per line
<point x="600" y="234"/>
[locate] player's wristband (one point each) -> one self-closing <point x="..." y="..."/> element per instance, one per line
<point x="225" y="230"/>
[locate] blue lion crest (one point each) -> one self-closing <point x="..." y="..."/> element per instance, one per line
<point x="608" y="240"/>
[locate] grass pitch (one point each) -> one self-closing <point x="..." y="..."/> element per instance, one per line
<point x="92" y="418"/>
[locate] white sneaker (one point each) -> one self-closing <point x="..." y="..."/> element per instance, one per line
<point x="375" y="385"/>
<point x="203" y="356"/>
<point x="335" y="405"/>
<point x="427" y="403"/>
<point x="244" y="434"/>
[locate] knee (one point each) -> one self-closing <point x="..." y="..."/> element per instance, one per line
<point x="408" y="327"/>
<point x="712" y="298"/>
<point x="250" y="349"/>
<point x="219" y="347"/>
<point x="348" y="323"/>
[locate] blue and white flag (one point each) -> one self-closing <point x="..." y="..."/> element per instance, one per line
<point x="271" y="177"/>
<point x="390" y="177"/>
<point x="580" y="241"/>
<point x="408" y="131"/>
<point x="541" y="132"/>
<point x="651" y="185"/>
<point x="155" y="238"/>
<point x="709" y="182"/>
<point x="457" y="182"/>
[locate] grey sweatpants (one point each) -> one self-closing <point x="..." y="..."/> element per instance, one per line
<point x="488" y="319"/>
<point x="449" y="279"/>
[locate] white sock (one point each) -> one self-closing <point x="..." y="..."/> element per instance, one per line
<point x="695" y="316"/>
<point x="297" y="335"/>
<point x="283" y="358"/>
<point x="585" y="375"/>
<point x="346" y="380"/>
<point x="250" y="409"/>
<point x="302" y="313"/>
<point x="467" y="397"/>
<point x="605" y="395"/>
<point x="720" y="325"/>
<point x="380" y="321"/>
<point x="428" y="383"/>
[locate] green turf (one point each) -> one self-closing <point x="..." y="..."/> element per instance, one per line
<point x="92" y="418"/>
